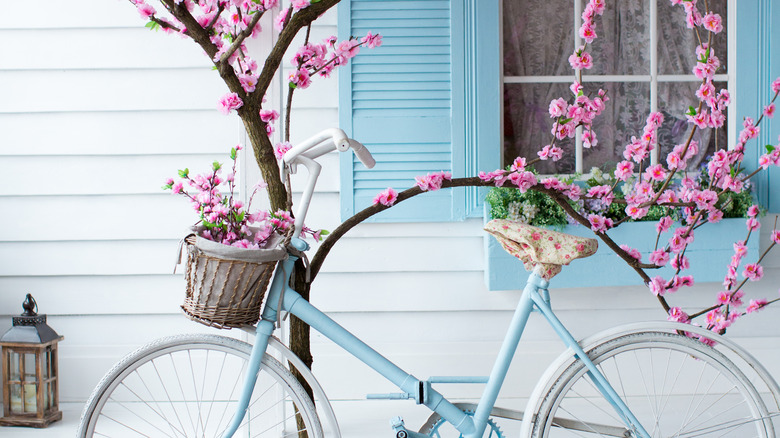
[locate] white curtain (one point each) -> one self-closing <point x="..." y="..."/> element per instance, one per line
<point x="538" y="39"/>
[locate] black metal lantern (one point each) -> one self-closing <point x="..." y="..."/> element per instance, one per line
<point x="30" y="380"/>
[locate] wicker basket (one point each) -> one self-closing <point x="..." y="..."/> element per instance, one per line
<point x="226" y="285"/>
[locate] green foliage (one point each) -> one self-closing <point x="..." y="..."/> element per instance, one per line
<point x="538" y="209"/>
<point x="510" y="203"/>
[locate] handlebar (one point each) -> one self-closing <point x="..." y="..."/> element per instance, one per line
<point x="362" y="153"/>
<point x="308" y="151"/>
<point x="327" y="141"/>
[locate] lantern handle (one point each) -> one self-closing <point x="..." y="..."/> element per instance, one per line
<point x="30" y="306"/>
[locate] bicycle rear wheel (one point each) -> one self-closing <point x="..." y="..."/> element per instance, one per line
<point x="674" y="385"/>
<point x="188" y="386"/>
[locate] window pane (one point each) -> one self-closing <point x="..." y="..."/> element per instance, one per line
<point x="624" y="116"/>
<point x="674" y="98"/>
<point x="679" y="58"/>
<point x="530" y="49"/>
<point x="623" y="43"/>
<point x="527" y="124"/>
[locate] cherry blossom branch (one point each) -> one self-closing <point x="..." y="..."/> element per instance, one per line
<point x="298" y="21"/>
<point x="241" y="37"/>
<point x="559" y="198"/>
<point x="291" y="91"/>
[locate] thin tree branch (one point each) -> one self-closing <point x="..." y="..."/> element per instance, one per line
<point x="299" y="20"/>
<point x="241" y="37"/>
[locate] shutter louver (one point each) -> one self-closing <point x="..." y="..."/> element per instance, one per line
<point x="397" y="100"/>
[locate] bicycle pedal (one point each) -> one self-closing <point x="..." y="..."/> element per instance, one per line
<point x="397" y="423"/>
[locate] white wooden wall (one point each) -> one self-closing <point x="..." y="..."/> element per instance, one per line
<point x="95" y="113"/>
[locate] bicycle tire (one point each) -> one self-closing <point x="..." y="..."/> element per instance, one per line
<point x="188" y="386"/>
<point x="676" y="387"/>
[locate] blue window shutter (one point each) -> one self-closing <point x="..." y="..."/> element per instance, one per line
<point x="398" y="100"/>
<point x="481" y="101"/>
<point x="758" y="38"/>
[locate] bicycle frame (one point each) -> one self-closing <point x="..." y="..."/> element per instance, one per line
<point x="534" y="297"/>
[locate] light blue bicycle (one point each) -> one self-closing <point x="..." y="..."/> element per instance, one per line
<point x="642" y="380"/>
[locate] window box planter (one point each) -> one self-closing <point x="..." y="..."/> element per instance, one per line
<point x="709" y="255"/>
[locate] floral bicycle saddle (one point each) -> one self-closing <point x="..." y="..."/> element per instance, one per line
<point x="540" y="246"/>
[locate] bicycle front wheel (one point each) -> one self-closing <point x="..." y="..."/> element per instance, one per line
<point x="675" y="386"/>
<point x="188" y="386"/>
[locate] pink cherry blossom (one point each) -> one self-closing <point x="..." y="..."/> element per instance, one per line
<point x="598" y="223"/>
<point x="755" y="305"/>
<point x="573" y="191"/>
<point x="659" y="257"/>
<point x="229" y="102"/>
<point x="769" y="110"/>
<point x="580" y="59"/>
<point x="677" y="314"/>
<point x="281" y="148"/>
<point x="300" y="4"/>
<point x="269" y="115"/>
<point x="588" y="32"/>
<point x="753" y="272"/>
<point x="706" y="92"/>
<point x="589" y="139"/>
<point x="372" y="41"/>
<point x="386" y="197"/>
<point x="433" y="181"/>
<point x="655" y="172"/>
<point x="624" y="170"/>
<point x="776" y="86"/>
<point x="280" y="19"/>
<point x="498" y="176"/>
<point x="753" y="224"/>
<point x="300" y="78"/>
<point x="145" y="10"/>
<point x="519" y="164"/>
<point x="633" y="252"/>
<point x="636" y="212"/>
<point x="523" y="180"/>
<point x="657" y="286"/>
<point x="712" y="22"/>
<point x="248" y="82"/>
<point x="664" y="224"/>
<point x="349" y="49"/>
<point x="776" y="236"/>
<point x="680" y="262"/>
<point x="557" y="107"/>
<point x="714" y="216"/>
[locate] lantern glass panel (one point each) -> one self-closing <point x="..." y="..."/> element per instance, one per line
<point x="47" y="397"/>
<point x="46" y="363"/>
<point x="15" y="390"/>
<point x="13" y="366"/>
<point x="30" y="385"/>
<point x="29" y="367"/>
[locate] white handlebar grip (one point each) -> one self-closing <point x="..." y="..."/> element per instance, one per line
<point x="362" y="153"/>
<point x="340" y="139"/>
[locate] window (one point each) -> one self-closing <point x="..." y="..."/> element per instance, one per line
<point x="642" y="58"/>
<point x="463" y="119"/>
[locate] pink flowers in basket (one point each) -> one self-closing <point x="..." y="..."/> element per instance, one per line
<point x="223" y="218"/>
